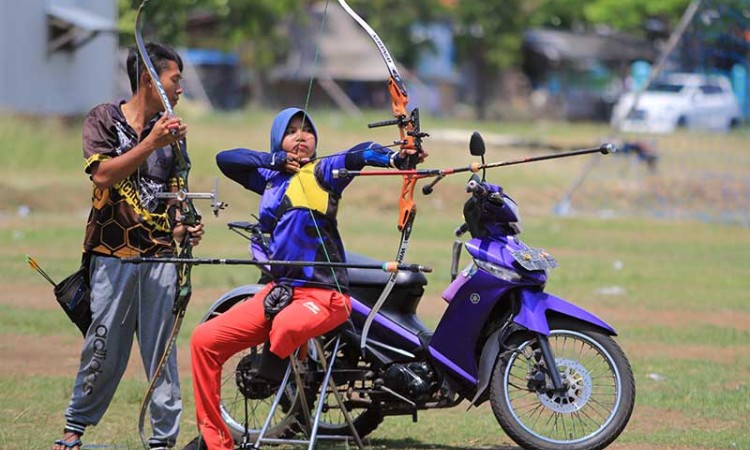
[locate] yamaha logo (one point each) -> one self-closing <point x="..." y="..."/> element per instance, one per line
<point x="474" y="298"/>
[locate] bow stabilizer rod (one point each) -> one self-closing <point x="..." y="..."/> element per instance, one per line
<point x="473" y="167"/>
<point x="390" y="266"/>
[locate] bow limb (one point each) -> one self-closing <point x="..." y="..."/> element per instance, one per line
<point x="147" y="61"/>
<point x="189" y="216"/>
<point x="410" y="139"/>
<point x="396" y="87"/>
<point x="408" y="123"/>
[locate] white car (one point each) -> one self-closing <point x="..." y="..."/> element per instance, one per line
<point x="679" y="100"/>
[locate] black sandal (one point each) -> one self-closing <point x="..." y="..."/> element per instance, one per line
<point x="73" y="444"/>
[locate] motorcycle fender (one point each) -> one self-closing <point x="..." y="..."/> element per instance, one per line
<point x="242" y="292"/>
<point x="486" y="362"/>
<point x="535" y="305"/>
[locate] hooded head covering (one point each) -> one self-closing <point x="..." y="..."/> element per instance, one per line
<point x="281" y="121"/>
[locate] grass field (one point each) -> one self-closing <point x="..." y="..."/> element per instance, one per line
<point x="662" y="256"/>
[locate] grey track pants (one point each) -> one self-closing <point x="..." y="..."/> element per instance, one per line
<point x="128" y="300"/>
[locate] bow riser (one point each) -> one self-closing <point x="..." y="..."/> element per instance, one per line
<point x="406" y="206"/>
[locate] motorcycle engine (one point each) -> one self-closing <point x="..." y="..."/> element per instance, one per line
<point x="247" y="380"/>
<point x="415" y="381"/>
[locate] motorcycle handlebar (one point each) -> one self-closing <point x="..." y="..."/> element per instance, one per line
<point x="476" y="188"/>
<point x="479" y="190"/>
<point x="461" y="229"/>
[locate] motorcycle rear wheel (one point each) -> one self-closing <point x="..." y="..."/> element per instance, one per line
<point x="589" y="415"/>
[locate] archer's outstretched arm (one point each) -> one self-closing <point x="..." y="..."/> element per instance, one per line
<point x="372" y="154"/>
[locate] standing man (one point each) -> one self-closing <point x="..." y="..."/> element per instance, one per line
<point x="128" y="147"/>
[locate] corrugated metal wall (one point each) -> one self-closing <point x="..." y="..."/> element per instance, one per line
<point x="62" y="83"/>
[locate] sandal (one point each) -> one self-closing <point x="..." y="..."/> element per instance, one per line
<point x="74" y="444"/>
<point x="71" y="445"/>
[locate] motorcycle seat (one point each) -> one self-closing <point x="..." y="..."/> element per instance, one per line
<point x="376" y="277"/>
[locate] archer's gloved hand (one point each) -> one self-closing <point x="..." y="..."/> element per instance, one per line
<point x="277" y="160"/>
<point x="401" y="159"/>
<point x="277" y="299"/>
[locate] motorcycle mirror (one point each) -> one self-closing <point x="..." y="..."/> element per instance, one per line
<point x="476" y="144"/>
<point x="476" y="147"/>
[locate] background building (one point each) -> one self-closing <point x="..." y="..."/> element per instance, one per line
<point x="59" y="56"/>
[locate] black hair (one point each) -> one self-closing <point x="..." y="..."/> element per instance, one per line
<point x="159" y="54"/>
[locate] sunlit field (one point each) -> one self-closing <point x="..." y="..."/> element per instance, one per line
<point x="659" y="251"/>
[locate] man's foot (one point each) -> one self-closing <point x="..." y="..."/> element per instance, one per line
<point x="70" y="441"/>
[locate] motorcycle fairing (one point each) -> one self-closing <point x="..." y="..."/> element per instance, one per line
<point x="456" y="335"/>
<point x="500" y="251"/>
<point x="473" y="295"/>
<point x="446" y="362"/>
<point x="387" y="331"/>
<point x="535" y="304"/>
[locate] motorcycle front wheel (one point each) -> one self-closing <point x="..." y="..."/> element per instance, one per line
<point x="589" y="414"/>
<point x="245" y="404"/>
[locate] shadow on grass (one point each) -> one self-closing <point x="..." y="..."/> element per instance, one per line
<point x="413" y="444"/>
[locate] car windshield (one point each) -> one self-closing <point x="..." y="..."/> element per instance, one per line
<point x="662" y="86"/>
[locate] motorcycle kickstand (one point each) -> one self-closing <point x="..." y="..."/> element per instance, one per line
<point x="246" y="444"/>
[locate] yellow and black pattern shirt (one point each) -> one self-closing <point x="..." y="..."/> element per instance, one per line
<point x="127" y="219"/>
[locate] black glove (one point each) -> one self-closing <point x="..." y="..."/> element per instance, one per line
<point x="277" y="161"/>
<point x="277" y="298"/>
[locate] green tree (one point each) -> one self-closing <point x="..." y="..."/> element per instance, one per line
<point x="393" y="21"/>
<point x="629" y="15"/>
<point x="249" y="28"/>
<point x="488" y="39"/>
<point x="621" y="15"/>
<point x="488" y="34"/>
<point x="163" y="21"/>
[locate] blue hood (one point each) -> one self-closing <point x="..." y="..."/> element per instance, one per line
<point x="281" y="121"/>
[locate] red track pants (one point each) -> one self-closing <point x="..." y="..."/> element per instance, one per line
<point x="311" y="313"/>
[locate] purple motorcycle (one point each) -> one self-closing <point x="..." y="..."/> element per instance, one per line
<point x="554" y="377"/>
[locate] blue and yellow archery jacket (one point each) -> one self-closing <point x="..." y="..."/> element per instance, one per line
<point x="299" y="210"/>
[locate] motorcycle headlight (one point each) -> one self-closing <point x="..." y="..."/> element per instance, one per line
<point x="497" y="271"/>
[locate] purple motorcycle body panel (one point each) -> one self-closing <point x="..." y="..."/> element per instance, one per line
<point x="456" y="335"/>
<point x="536" y="304"/>
<point x="473" y="295"/>
<point x="384" y="329"/>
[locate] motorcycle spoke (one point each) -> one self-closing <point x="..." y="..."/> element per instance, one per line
<point x="587" y="402"/>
